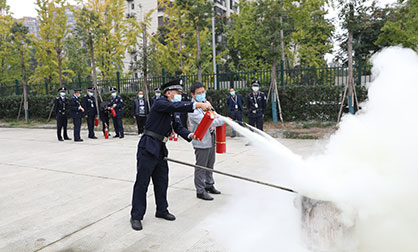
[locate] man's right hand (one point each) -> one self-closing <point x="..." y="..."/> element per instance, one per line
<point x="205" y="106"/>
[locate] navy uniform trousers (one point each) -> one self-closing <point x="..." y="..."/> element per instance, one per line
<point x="77" y="127"/>
<point x="148" y="166"/>
<point x="90" y="124"/>
<point x="256" y="121"/>
<point x="117" y="124"/>
<point x="62" y="124"/>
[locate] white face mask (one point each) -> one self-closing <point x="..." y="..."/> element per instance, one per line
<point x="140" y="96"/>
<point x="176" y="98"/>
<point x="62" y="94"/>
<point x="255" y="89"/>
<point x="113" y="95"/>
<point x="158" y="94"/>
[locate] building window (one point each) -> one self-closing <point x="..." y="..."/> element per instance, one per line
<point x="133" y="6"/>
<point x="231" y="4"/>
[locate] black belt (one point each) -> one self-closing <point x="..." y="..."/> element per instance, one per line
<point x="156" y="136"/>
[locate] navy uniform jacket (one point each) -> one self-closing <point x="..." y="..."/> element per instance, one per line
<point x="235" y="103"/>
<point x="136" y="110"/>
<point x="119" y="104"/>
<point x="153" y="99"/>
<point x="75" y="110"/>
<point x="161" y="120"/>
<point x="256" y="104"/>
<point x="61" y="106"/>
<point x="89" y="105"/>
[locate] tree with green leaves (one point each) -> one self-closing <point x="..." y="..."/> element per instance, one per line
<point x="77" y="55"/>
<point x="311" y="33"/>
<point x="402" y="26"/>
<point x="20" y="40"/>
<point x="50" y="46"/>
<point x="198" y="13"/>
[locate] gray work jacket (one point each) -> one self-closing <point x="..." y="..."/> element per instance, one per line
<point x="194" y="119"/>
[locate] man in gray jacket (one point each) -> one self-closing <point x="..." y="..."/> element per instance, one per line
<point x="204" y="150"/>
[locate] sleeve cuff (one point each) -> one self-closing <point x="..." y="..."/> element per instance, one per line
<point x="194" y="105"/>
<point x="189" y="136"/>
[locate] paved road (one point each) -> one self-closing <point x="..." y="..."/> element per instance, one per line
<point x="67" y="196"/>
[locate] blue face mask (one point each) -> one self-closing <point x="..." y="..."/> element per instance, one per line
<point x="157" y="94"/>
<point x="62" y="94"/>
<point x="113" y="95"/>
<point x="140" y="96"/>
<point x="177" y="98"/>
<point x="232" y="93"/>
<point x="78" y="95"/>
<point x="255" y="89"/>
<point x="201" y="97"/>
<point x="90" y="94"/>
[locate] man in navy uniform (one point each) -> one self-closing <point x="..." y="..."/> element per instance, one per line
<point x="140" y="110"/>
<point x="116" y="103"/>
<point x="152" y="150"/>
<point x="235" y="107"/>
<point x="76" y="112"/>
<point x="61" y="111"/>
<point x="256" y="104"/>
<point x="89" y="104"/>
<point x="157" y="95"/>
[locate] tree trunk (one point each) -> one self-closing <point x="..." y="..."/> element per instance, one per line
<point x="281" y="38"/>
<point x="350" y="63"/>
<point x="180" y="52"/>
<point x="145" y="61"/>
<point x="25" y="94"/>
<point x="199" y="66"/>
<point x="93" y="65"/>
<point x="59" y="66"/>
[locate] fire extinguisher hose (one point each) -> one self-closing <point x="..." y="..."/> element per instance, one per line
<point x="231" y="175"/>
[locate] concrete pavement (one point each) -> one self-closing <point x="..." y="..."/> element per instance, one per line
<point x="67" y="196"/>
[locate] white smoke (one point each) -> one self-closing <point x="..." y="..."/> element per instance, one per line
<point x="369" y="167"/>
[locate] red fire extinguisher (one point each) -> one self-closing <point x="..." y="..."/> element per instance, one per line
<point x="175" y="137"/>
<point x="106" y="131"/>
<point x="204" y="125"/>
<point x="221" y="139"/>
<point x="96" y="122"/>
<point x="113" y="112"/>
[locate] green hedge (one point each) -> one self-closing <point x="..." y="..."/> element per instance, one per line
<point x="299" y="103"/>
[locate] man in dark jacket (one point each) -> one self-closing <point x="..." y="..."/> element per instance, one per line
<point x="76" y="112"/>
<point x="89" y="104"/>
<point x="140" y="110"/>
<point x="61" y="109"/>
<point x="256" y="104"/>
<point x="235" y="104"/>
<point x="152" y="151"/>
<point x="116" y="103"/>
<point x="104" y="115"/>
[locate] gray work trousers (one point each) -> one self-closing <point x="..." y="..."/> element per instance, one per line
<point x="202" y="178"/>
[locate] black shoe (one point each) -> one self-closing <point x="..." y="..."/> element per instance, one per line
<point x="166" y="216"/>
<point x="233" y="136"/>
<point x="67" y="138"/>
<point x="121" y="137"/>
<point x="136" y="224"/>
<point x="212" y="190"/>
<point x="79" y="140"/>
<point x="115" y="136"/>
<point x="204" y="196"/>
<point x="60" y="139"/>
<point x="93" y="137"/>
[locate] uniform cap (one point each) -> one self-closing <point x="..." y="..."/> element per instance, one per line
<point x="113" y="89"/>
<point x="63" y="89"/>
<point x="173" y="85"/>
<point x="255" y="83"/>
<point x="157" y="90"/>
<point x="77" y="90"/>
<point x="90" y="89"/>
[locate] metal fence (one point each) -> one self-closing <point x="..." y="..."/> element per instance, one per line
<point x="220" y="80"/>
